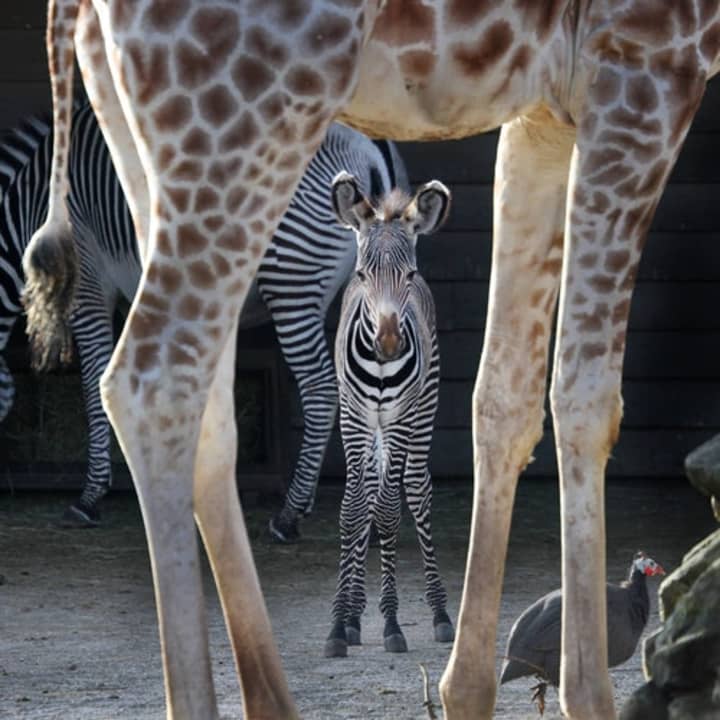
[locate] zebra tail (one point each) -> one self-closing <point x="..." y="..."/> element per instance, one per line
<point x="51" y="267"/>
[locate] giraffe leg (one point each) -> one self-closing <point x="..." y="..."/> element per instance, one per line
<point x="90" y="48"/>
<point x="222" y="525"/>
<point x="617" y="182"/>
<point x="510" y="388"/>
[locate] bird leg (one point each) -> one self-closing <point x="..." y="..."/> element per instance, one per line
<point x="539" y="696"/>
<point x="428" y="704"/>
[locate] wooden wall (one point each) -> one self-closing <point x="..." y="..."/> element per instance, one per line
<point x="672" y="373"/>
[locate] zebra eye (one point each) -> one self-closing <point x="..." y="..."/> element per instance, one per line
<point x="361" y="275"/>
<point x="411" y="275"/>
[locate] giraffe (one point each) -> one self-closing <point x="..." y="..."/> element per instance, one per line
<point x="213" y="109"/>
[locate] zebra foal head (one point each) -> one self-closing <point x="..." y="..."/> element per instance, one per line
<point x="386" y="266"/>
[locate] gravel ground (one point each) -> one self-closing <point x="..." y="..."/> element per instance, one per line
<point x="78" y="634"/>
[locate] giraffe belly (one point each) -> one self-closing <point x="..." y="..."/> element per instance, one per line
<point x="390" y="102"/>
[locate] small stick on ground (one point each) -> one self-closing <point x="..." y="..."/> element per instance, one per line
<point x="428" y="704"/>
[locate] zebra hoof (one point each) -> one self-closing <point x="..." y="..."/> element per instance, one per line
<point x="444" y="632"/>
<point x="395" y="643"/>
<point x="335" y="647"/>
<point x="284" y="530"/>
<point x="78" y="517"/>
<point x="353" y="635"/>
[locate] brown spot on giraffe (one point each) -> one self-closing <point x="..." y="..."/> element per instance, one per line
<point x="273" y="106"/>
<point x="221" y="172"/>
<point x="241" y="134"/>
<point x="197" y="142"/>
<point x="478" y="57"/>
<point x="187" y="171"/>
<point x="417" y="64"/>
<point x="461" y="13"/>
<point x="263" y="45"/>
<point x="215" y="35"/>
<point x="170" y="279"/>
<point x="165" y="157"/>
<point x="205" y="199"/>
<point x="602" y="284"/>
<point x="163" y="243"/>
<point x="190" y="241"/>
<point x="221" y="266"/>
<point x="147" y="356"/>
<point x="641" y="94"/>
<point x="405" y="23"/>
<point x="251" y="76"/>
<point x="303" y="80"/>
<point x="150" y="68"/>
<point x="156" y="302"/>
<point x="648" y="21"/>
<point x="325" y="32"/>
<point x="173" y="114"/>
<point x="590" y="351"/>
<point x="710" y="42"/>
<point x="190" y="307"/>
<point x="201" y="275"/>
<point x="233" y="238"/>
<point x="235" y="198"/>
<point x="179" y="196"/>
<point x="340" y="69"/>
<point x="217" y="105"/>
<point x="606" y="87"/>
<point x="165" y="15"/>
<point x="146" y="324"/>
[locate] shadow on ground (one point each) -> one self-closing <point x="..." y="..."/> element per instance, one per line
<point x="78" y="634"/>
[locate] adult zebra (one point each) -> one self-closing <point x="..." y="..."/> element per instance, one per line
<point x="306" y="264"/>
<point x="388" y="369"/>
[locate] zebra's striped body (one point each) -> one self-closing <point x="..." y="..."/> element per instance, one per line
<point x="306" y="264"/>
<point x="386" y="356"/>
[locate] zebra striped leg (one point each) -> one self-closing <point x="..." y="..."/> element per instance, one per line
<point x="353" y="530"/>
<point x="92" y="329"/>
<point x="305" y="349"/>
<point x="387" y="519"/>
<point x="418" y="492"/>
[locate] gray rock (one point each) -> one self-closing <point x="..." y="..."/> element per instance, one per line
<point x="702" y="466"/>
<point x="686" y="652"/>
<point x="694" y="706"/>
<point x="694" y="564"/>
<point x="648" y="702"/>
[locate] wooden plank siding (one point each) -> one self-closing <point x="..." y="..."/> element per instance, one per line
<point x="672" y="373"/>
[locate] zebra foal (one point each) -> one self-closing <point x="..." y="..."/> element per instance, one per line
<point x="387" y="364"/>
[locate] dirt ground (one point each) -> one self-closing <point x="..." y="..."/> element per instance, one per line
<point x="78" y="633"/>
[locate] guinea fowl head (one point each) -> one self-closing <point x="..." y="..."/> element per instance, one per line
<point x="645" y="565"/>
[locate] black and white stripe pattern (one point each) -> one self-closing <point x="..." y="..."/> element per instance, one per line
<point x="386" y="354"/>
<point x="306" y="264"/>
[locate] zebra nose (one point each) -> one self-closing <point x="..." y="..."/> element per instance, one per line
<point x="389" y="342"/>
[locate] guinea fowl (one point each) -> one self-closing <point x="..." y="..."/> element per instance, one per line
<point x="534" y="644"/>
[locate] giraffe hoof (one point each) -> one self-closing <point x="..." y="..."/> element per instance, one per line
<point x="444" y="632"/>
<point x="353" y="635"/>
<point x="80" y="516"/>
<point x="335" y="647"/>
<point x="395" y="643"/>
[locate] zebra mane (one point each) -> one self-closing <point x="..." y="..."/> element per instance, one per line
<point x="393" y="205"/>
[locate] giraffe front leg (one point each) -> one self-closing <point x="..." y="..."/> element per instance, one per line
<point x="221" y="522"/>
<point x="623" y="156"/>
<point x="530" y="182"/>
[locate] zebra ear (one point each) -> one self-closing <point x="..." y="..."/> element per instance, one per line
<point x="429" y="208"/>
<point x="351" y="207"/>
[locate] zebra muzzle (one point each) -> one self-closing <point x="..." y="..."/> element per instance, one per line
<point x="389" y="342"/>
